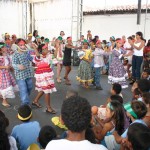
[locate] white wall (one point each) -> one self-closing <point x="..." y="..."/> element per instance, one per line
<point x="115" y="25"/>
<point x="11" y="18"/>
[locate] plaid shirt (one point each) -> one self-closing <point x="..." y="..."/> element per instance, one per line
<point x="22" y="59"/>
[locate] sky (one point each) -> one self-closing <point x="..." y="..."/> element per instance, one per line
<point x="101" y="4"/>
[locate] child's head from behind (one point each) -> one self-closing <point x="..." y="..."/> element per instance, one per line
<point x="143" y="85"/>
<point x="115" y="111"/>
<point x="4" y="123"/>
<point x="139" y="136"/>
<point x="116" y="98"/>
<point x="146" y="99"/>
<point x="24" y="113"/>
<point x="76" y="113"/>
<point x="116" y="89"/>
<point x="136" y="109"/>
<point x="47" y="133"/>
<point x="71" y="93"/>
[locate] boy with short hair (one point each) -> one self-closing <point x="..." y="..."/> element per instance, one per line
<point x="76" y="115"/>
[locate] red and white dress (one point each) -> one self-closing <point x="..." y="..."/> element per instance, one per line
<point x="44" y="75"/>
<point x="7" y="82"/>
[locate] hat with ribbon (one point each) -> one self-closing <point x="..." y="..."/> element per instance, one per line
<point x="24" y="112"/>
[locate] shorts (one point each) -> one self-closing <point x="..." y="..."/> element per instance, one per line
<point x="67" y="63"/>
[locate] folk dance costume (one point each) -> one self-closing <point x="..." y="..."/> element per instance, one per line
<point x="85" y="70"/>
<point x="117" y="73"/>
<point x="7" y="83"/>
<point x="44" y="75"/>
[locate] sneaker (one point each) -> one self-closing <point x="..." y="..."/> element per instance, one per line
<point x="99" y="88"/>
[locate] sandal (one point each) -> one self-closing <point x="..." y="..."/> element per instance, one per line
<point x="6" y="105"/>
<point x="58" y="80"/>
<point x="51" y="111"/>
<point x="36" y="104"/>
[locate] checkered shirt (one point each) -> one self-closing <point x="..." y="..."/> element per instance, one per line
<point x="22" y="59"/>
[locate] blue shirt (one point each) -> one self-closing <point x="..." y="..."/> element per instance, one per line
<point x="26" y="134"/>
<point x="124" y="135"/>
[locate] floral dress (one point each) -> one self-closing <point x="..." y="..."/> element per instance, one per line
<point x="85" y="70"/>
<point x="7" y="82"/>
<point x="117" y="73"/>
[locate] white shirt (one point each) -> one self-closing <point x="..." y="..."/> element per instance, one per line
<point x="73" y="145"/>
<point x="138" y="52"/>
<point x="12" y="142"/>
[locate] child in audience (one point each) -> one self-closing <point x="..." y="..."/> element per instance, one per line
<point x="136" y="110"/>
<point x="116" y="89"/>
<point x="56" y="119"/>
<point x="27" y="132"/>
<point x="145" y="74"/>
<point x="143" y="85"/>
<point x="6" y="142"/>
<point x="137" y="138"/>
<point x="76" y="115"/>
<point x="136" y="94"/>
<point x="100" y="112"/>
<point x="146" y="100"/>
<point x="47" y="133"/>
<point x="115" y="112"/>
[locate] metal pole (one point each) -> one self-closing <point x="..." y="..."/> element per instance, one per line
<point x="72" y="20"/>
<point x="22" y="19"/>
<point x="81" y="17"/>
<point x="145" y="17"/>
<point x="77" y="20"/>
<point x="139" y="12"/>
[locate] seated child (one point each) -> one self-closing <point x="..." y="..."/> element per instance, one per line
<point x="146" y="74"/>
<point x="47" y="133"/>
<point x="136" y="94"/>
<point x="136" y="110"/>
<point x="138" y="136"/>
<point x="101" y="111"/>
<point x="115" y="113"/>
<point x="146" y="100"/>
<point x="56" y="120"/>
<point x="116" y="89"/>
<point x="27" y="132"/>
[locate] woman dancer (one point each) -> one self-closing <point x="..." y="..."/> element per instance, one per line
<point x="67" y="59"/>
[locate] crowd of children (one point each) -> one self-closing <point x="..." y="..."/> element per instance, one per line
<point x="110" y="126"/>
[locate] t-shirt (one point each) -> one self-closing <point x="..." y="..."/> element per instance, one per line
<point x="26" y="134"/>
<point x="124" y="135"/>
<point x="73" y="145"/>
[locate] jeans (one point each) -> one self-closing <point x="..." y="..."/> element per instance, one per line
<point x="25" y="87"/>
<point x="97" y="76"/>
<point x="136" y="66"/>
